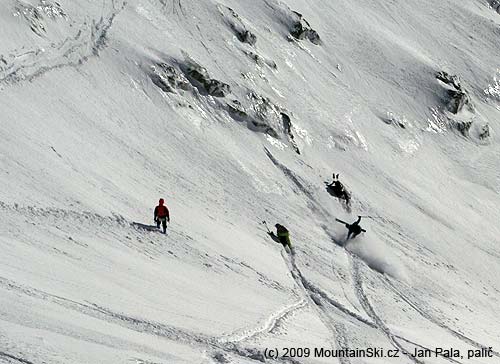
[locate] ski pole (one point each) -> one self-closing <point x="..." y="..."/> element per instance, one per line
<point x="265" y="224"/>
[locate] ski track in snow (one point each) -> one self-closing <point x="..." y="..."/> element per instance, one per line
<point x="71" y="52"/>
<point x="370" y="311"/>
<point x="269" y="326"/>
<point x="434" y="320"/>
<point x="376" y="322"/>
<point x="333" y="328"/>
<point x="171" y="333"/>
<point x="426" y="348"/>
<point x="13" y="357"/>
<point x="314" y="292"/>
<point x="230" y="345"/>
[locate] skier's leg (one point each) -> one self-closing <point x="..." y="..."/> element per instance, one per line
<point x="164" y="223"/>
<point x="158" y="223"/>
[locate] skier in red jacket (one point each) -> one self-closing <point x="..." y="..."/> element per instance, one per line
<point x="162" y="215"/>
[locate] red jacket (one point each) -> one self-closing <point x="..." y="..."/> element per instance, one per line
<point x="162" y="211"/>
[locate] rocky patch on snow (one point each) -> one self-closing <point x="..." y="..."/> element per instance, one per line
<point x="263" y="116"/>
<point x="172" y="76"/>
<point x="484" y="133"/>
<point x="237" y="26"/>
<point x="458" y="97"/>
<point x="392" y="119"/>
<point x="261" y="61"/>
<point x="259" y="113"/>
<point x="186" y="76"/>
<point x="168" y="78"/>
<point x="495" y="5"/>
<point x="301" y="29"/>
<point x="459" y="112"/>
<point x="199" y="77"/>
<point x="35" y="15"/>
<point x="297" y="27"/>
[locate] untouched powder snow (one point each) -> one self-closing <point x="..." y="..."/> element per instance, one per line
<point x="237" y="112"/>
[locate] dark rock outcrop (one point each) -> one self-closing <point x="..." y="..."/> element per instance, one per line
<point x="168" y="78"/>
<point x="485" y="132"/>
<point x="463" y="127"/>
<point x="35" y="15"/>
<point x="261" y="61"/>
<point x="262" y="116"/>
<point x="458" y="96"/>
<point x="287" y="127"/>
<point x="185" y="76"/>
<point x="237" y="25"/>
<point x="237" y="111"/>
<point x="495" y="5"/>
<point x="301" y="29"/>
<point x="200" y="78"/>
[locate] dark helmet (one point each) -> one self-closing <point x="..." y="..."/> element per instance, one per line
<point x="161" y="202"/>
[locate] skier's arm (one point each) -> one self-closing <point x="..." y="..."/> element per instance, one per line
<point x="168" y="214"/>
<point x="363" y="230"/>
<point x="156" y="212"/>
<point x="359" y="219"/>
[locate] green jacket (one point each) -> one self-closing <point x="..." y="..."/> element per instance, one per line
<point x="282" y="232"/>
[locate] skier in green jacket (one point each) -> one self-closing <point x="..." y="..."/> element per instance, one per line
<point x="283" y="235"/>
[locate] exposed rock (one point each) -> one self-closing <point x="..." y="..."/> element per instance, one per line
<point x="485" y="132"/>
<point x="451" y="80"/>
<point x="237" y="26"/>
<point x="261" y="61"/>
<point x="287" y="127"/>
<point x="200" y="78"/>
<point x="246" y="36"/>
<point x="463" y="127"/>
<point x="168" y="78"/>
<point x="392" y="119"/>
<point x="495" y="5"/>
<point x="237" y="111"/>
<point x="458" y="97"/>
<point x="35" y="15"/>
<point x="263" y="127"/>
<point x="221" y="358"/>
<point x="301" y="29"/>
<point x="262" y="116"/>
<point x="217" y="88"/>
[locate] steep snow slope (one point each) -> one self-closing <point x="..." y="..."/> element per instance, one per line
<point x="107" y="106"/>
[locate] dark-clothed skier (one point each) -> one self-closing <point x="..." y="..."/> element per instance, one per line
<point x="162" y="215"/>
<point x="354" y="229"/>
<point x="337" y="189"/>
<point x="283" y="235"/>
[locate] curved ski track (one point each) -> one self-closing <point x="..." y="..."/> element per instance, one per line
<point x="71" y="52"/>
<point x="435" y="321"/>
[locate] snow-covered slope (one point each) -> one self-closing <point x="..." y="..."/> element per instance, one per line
<point x="236" y="112"/>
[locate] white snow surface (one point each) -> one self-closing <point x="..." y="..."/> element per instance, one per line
<point x="88" y="143"/>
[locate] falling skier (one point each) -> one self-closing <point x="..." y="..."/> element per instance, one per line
<point x="282" y="236"/>
<point x="162" y="215"/>
<point x="354" y="229"/>
<point x="337" y="189"/>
